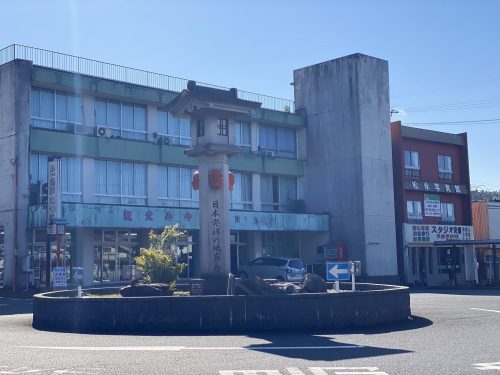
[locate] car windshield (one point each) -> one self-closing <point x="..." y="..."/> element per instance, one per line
<point x="296" y="263"/>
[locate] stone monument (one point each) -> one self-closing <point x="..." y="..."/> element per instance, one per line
<point x="213" y="113"/>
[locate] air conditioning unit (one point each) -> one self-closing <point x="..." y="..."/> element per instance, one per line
<point x="103" y="132"/>
<point x="163" y="140"/>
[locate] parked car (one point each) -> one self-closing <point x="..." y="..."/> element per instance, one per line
<point x="270" y="267"/>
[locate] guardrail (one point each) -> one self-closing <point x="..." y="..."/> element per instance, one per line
<point x="100" y="69"/>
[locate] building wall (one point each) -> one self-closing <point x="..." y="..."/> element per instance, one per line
<point x="14" y="165"/>
<point x="494" y="220"/>
<point x="348" y="170"/>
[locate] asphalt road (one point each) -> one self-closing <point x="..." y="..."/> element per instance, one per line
<point x="451" y="332"/>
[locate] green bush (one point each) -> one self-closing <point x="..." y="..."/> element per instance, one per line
<point x="157" y="263"/>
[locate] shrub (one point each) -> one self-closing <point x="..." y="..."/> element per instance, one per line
<point x="157" y="263"/>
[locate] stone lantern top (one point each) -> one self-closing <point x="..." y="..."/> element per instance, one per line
<point x="201" y="99"/>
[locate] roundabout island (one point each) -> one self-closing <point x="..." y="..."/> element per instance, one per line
<point x="371" y="304"/>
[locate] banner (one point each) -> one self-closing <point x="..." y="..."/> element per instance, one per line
<point x="432" y="205"/>
<point x="54" y="210"/>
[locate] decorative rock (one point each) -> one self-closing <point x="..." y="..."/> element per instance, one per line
<point x="146" y="290"/>
<point x="313" y="284"/>
<point x="256" y="286"/>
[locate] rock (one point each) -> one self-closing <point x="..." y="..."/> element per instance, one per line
<point x="313" y="284"/>
<point x="146" y="290"/>
<point x="256" y="286"/>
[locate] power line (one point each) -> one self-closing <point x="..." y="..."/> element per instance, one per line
<point x="446" y="88"/>
<point x="464" y="122"/>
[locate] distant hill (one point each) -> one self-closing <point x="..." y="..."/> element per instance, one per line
<point x="483" y="195"/>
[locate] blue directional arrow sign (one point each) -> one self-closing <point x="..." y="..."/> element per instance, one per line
<point x="337" y="271"/>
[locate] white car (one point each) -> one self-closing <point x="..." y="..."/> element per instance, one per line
<point x="270" y="267"/>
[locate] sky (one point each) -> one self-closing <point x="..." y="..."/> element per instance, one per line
<point x="444" y="56"/>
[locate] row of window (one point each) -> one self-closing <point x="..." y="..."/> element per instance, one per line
<point x="126" y="183"/>
<point x="412" y="165"/>
<point x="414" y="211"/>
<point x="58" y="110"/>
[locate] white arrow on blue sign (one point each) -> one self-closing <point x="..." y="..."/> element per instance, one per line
<point x="337" y="271"/>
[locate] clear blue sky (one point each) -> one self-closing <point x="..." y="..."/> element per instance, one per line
<point x="444" y="56"/>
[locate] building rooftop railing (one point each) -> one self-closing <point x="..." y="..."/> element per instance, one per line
<point x="81" y="65"/>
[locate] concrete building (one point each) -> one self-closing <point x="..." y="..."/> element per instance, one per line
<point x="432" y="199"/>
<point x="309" y="175"/>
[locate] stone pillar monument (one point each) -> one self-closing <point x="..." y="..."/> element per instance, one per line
<point x="213" y="113"/>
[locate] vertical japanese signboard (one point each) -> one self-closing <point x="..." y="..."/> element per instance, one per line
<point x="215" y="236"/>
<point x="53" y="192"/>
<point x="432" y="205"/>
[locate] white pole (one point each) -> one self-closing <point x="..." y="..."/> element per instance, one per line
<point x="353" y="281"/>
<point x="337" y="286"/>
<point x="79" y="291"/>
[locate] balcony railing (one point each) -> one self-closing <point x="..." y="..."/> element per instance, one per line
<point x="94" y="68"/>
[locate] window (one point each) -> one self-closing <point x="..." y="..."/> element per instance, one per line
<point x="448" y="213"/>
<point x="412" y="164"/>
<point x="120" y="183"/>
<point x="222" y="126"/>
<point x="278" y="193"/>
<point x="71" y="176"/>
<point x="174" y="187"/>
<point x="177" y="130"/>
<point x="242" y="130"/>
<point x="200" y="128"/>
<point x="125" y="120"/>
<point x="52" y="109"/>
<point x="241" y="196"/>
<point x="444" y="165"/>
<point x="414" y="209"/>
<point x="279" y="141"/>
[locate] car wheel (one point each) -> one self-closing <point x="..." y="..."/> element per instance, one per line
<point x="280" y="279"/>
<point x="243" y="275"/>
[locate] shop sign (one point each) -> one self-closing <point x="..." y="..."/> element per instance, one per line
<point x="53" y="191"/>
<point x="427" y="233"/>
<point x="60" y="280"/>
<point x="434" y="187"/>
<point x="432" y="205"/>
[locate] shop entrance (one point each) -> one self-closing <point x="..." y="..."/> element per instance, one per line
<point x="113" y="255"/>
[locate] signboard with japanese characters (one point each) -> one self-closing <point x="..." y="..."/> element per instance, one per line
<point x="428" y="233"/>
<point x="60" y="279"/>
<point x="434" y="187"/>
<point x="53" y="191"/>
<point x="432" y="205"/>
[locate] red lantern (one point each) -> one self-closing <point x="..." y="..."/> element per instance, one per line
<point x="196" y="180"/>
<point x="231" y="181"/>
<point x="215" y="178"/>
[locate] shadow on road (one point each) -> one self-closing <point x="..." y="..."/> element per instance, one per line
<point x="318" y="348"/>
<point x="13" y="306"/>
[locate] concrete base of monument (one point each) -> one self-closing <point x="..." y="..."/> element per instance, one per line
<point x="372" y="304"/>
<point x="214" y="285"/>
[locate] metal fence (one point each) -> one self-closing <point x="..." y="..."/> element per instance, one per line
<point x="81" y="65"/>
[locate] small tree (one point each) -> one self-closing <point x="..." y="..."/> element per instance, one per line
<point x="157" y="263"/>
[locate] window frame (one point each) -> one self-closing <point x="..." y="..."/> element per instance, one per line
<point x="241" y="204"/>
<point x="223" y="127"/>
<point x="174" y="139"/>
<point x="178" y="200"/>
<point x="410" y="169"/>
<point x="239" y="126"/>
<point x="67" y="124"/>
<point x="276" y="189"/>
<point x="414" y="217"/>
<point x="121" y="198"/>
<point x="444" y="173"/>
<point x="119" y="131"/>
<point x="279" y="133"/>
<point x="445" y="209"/>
